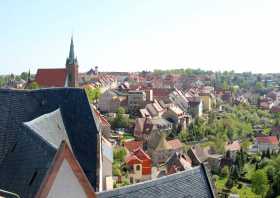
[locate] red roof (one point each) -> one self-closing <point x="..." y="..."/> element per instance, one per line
<point x="234" y="146"/>
<point x="51" y="77"/>
<point x="275" y="109"/>
<point x="267" y="139"/>
<point x="132" y="145"/>
<point x="175" y="144"/>
<point x="132" y="159"/>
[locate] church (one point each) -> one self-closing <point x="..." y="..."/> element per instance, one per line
<point x="60" y="77"/>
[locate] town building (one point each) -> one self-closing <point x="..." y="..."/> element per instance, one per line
<point x="140" y="166"/>
<point x="110" y="101"/>
<point x="265" y="143"/>
<point x="177" y="162"/>
<point x="135" y="101"/>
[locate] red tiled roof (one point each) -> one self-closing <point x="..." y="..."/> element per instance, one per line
<point x="133" y="159"/>
<point x="275" y="109"/>
<point x="175" y="144"/>
<point x="267" y="139"/>
<point x="132" y="145"/>
<point x="51" y="77"/>
<point x="234" y="146"/>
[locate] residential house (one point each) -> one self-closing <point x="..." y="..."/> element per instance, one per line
<point x="177" y="162"/>
<point x="110" y="101"/>
<point x="160" y="149"/>
<point x="176" y="116"/>
<point x="179" y="99"/>
<point x="265" y="103"/>
<point x="264" y="143"/>
<point x="152" y="110"/>
<point x="200" y="155"/>
<point x="193" y="182"/>
<point x="232" y="148"/>
<point x="132" y="145"/>
<point x="275" y="95"/>
<point x="195" y="106"/>
<point x="162" y="94"/>
<point x="14" y="83"/>
<point x="145" y="128"/>
<point x="207" y="96"/>
<point x="140" y="166"/>
<point x="275" y="131"/>
<point x="136" y="100"/>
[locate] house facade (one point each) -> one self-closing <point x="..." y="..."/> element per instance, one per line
<point x="264" y="143"/>
<point x="140" y="166"/>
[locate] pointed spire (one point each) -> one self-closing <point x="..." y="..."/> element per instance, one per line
<point x="71" y="59"/>
<point x="71" y="52"/>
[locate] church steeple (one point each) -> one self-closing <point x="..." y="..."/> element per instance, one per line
<point x="71" y="53"/>
<point x="72" y="68"/>
<point x="71" y="59"/>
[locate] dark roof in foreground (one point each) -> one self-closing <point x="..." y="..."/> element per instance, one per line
<point x="26" y="164"/>
<point x="191" y="183"/>
<point x="19" y="106"/>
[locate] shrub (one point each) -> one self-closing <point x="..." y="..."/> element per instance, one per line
<point x="229" y="183"/>
<point x="225" y="171"/>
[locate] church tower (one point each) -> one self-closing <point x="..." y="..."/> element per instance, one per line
<point x="72" y="68"/>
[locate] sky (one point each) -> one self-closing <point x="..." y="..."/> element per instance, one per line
<point x="136" y="35"/>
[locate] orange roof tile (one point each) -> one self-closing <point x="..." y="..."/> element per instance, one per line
<point x="267" y="139"/>
<point x="132" y="145"/>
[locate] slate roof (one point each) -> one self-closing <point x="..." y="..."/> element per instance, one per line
<point x="17" y="107"/>
<point x="191" y="183"/>
<point x="26" y="164"/>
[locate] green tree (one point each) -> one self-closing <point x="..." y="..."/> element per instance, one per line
<point x="24" y="76"/>
<point x="260" y="183"/>
<point x="183" y="135"/>
<point x="259" y="85"/>
<point x="276" y="183"/>
<point x="93" y="94"/>
<point x="32" y="85"/>
<point x="245" y="145"/>
<point x="117" y="169"/>
<point x="119" y="153"/>
<point x="120" y="121"/>
<point x="225" y="171"/>
<point x="270" y="172"/>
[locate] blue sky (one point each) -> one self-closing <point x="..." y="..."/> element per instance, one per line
<point x="132" y="35"/>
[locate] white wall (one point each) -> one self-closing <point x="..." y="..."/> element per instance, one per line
<point x="66" y="184"/>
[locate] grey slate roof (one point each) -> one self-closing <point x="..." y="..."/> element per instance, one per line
<point x="17" y="107"/>
<point x="26" y="164"/>
<point x="191" y="183"/>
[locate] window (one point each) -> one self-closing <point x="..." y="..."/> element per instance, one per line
<point x="138" y="167"/>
